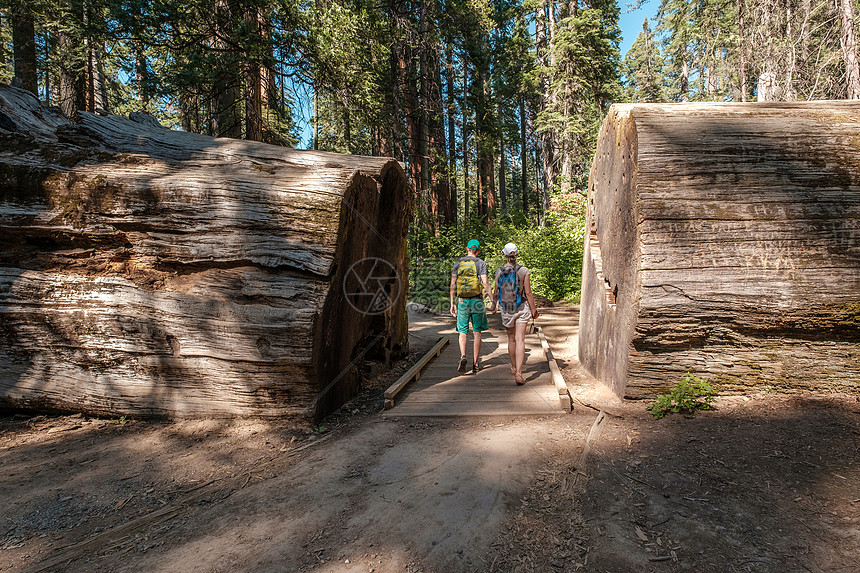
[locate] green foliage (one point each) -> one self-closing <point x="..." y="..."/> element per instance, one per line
<point x="691" y="394"/>
<point x="643" y="69"/>
<point x="552" y="252"/>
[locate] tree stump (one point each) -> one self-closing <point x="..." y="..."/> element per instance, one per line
<point x="724" y="240"/>
<point x="152" y="272"/>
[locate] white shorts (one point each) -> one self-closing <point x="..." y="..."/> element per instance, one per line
<point x="522" y="315"/>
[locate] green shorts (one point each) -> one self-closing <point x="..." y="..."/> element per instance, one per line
<point x="474" y="309"/>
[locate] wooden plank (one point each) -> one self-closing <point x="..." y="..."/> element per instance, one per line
<point x="557" y="378"/>
<point x="473" y="409"/>
<point x="443" y="391"/>
<point x="415" y="371"/>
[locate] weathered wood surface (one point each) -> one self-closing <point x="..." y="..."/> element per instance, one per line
<point x="443" y="391"/>
<point x="149" y="271"/>
<point x="413" y="373"/>
<point x="724" y="240"/>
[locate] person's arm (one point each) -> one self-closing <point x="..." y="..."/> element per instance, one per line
<point x="453" y="309"/>
<point x="489" y="294"/>
<point x="530" y="297"/>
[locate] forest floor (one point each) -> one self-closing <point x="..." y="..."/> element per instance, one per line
<point x="765" y="482"/>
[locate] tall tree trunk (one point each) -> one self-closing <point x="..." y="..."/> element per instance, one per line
<point x="480" y="142"/>
<point x="790" y="93"/>
<point x="268" y="86"/>
<point x="141" y="66"/>
<point x="347" y="125"/>
<point x="228" y="93"/>
<point x="49" y="46"/>
<point x="253" y="80"/>
<point x="465" y="136"/>
<point x="524" y="196"/>
<point x="100" y="88"/>
<point x="503" y="194"/>
<point x="186" y="107"/>
<point x="437" y="165"/>
<point x="4" y="58"/>
<point x="485" y="129"/>
<point x="253" y="102"/>
<point x="452" y="144"/>
<point x="545" y="33"/>
<point x="849" y="50"/>
<point x="684" y="86"/>
<point x="141" y="72"/>
<point x="24" y="46"/>
<point x="413" y="124"/>
<point x="805" y="9"/>
<point x="422" y="112"/>
<point x="742" y="49"/>
<point x="71" y="92"/>
<point x="395" y="88"/>
<point x="316" y="119"/>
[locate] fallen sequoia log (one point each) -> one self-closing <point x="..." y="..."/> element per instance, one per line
<point x="151" y="272"/>
<point x="724" y="240"/>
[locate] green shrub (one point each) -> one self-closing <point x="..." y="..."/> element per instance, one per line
<point x="691" y="394"/>
<point x="552" y="251"/>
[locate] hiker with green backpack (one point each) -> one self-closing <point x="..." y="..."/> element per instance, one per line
<point x="469" y="283"/>
<point x="513" y="290"/>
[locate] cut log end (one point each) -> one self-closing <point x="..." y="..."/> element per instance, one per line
<point x="151" y="272"/>
<point x="724" y="240"/>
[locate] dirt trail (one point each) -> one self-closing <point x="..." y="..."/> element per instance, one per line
<point x="764" y="483"/>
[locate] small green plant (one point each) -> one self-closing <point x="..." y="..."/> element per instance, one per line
<point x="690" y="394"/>
<point x="320" y="430"/>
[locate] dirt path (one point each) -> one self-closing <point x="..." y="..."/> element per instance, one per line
<point x="765" y="483"/>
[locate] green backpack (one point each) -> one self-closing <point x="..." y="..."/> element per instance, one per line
<point x="468" y="283"/>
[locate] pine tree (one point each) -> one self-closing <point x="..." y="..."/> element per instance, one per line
<point x="643" y="69"/>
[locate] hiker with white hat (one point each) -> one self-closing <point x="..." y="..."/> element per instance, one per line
<point x="513" y="293"/>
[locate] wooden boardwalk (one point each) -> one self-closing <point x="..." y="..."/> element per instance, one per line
<point x="443" y="391"/>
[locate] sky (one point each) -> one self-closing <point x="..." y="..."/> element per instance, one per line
<point x="631" y="22"/>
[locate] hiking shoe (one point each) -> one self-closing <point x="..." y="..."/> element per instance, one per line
<point x="479" y="365"/>
<point x="462" y="366"/>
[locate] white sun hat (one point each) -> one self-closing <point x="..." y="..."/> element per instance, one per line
<point x="510" y="248"/>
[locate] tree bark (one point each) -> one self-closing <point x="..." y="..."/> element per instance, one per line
<point x="742" y="49"/>
<point x="849" y="50"/>
<point x="545" y="33"/>
<point x="253" y="81"/>
<point x="465" y="142"/>
<point x="141" y="69"/>
<point x="71" y="93"/>
<point x="145" y="271"/>
<point x="524" y="196"/>
<point x="227" y="90"/>
<point x="24" y="46"/>
<point x="485" y="129"/>
<point x="503" y="191"/>
<point x="436" y="133"/>
<point x="723" y="240"/>
<point x="452" y="142"/>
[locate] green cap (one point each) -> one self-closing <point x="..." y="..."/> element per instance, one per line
<point x="473" y="244"/>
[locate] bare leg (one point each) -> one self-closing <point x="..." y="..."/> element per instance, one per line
<point x="512" y="348"/>
<point x="476" y="349"/>
<point x="521" y="345"/>
<point x="463" y="344"/>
